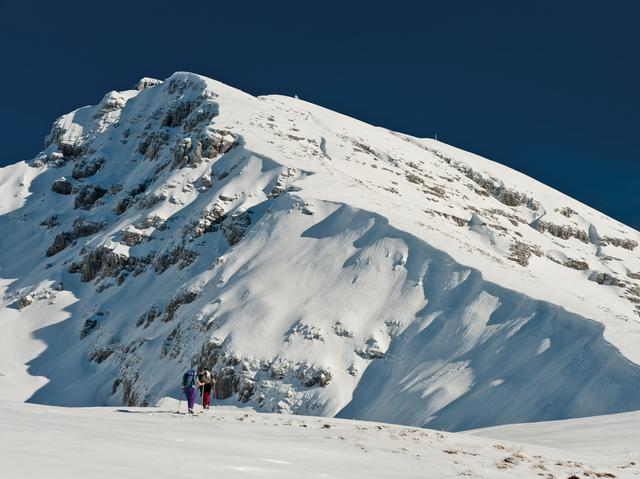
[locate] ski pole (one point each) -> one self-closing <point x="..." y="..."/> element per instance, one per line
<point x="215" y="395"/>
<point x="179" y="401"/>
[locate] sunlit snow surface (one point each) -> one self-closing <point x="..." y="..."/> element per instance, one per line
<point x="70" y="443"/>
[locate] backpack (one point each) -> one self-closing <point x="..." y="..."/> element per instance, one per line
<point x="189" y="379"/>
<point x="205" y="377"/>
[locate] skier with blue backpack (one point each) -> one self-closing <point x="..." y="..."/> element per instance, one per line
<point x="190" y="385"/>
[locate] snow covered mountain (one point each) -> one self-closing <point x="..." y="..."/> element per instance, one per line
<point x="317" y="264"/>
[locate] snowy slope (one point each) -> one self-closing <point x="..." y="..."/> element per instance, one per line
<point x="238" y="443"/>
<point x="614" y="435"/>
<point x="317" y="264"/>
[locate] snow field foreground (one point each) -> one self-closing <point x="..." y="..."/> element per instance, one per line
<point x="228" y="442"/>
<point x="614" y="435"/>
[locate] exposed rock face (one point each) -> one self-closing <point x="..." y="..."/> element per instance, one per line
<point x="211" y="219"/>
<point x="371" y="351"/>
<point x="235" y="229"/>
<point x="111" y="102"/>
<point x="305" y="331"/>
<point x="177" y="256"/>
<point x="576" y="264"/>
<point x="312" y="376"/>
<point x="60" y="242"/>
<point x="81" y="228"/>
<point x="491" y="186"/>
<point x="101" y="261"/>
<point x="131" y="197"/>
<point x="62" y="186"/>
<point x="147" y="82"/>
<point x="87" y="168"/>
<point x="25" y="301"/>
<point x="88" y="327"/>
<point x="562" y="231"/>
<point x="568" y="212"/>
<point x="619" y="242"/>
<point x="100" y="355"/>
<point x="606" y="279"/>
<point x="521" y="252"/>
<point x="148" y="317"/>
<point x="283" y="179"/>
<point x="87" y="196"/>
<point x="184" y="297"/>
<point x="152" y="144"/>
<point x="189" y="153"/>
<point x="132" y="238"/>
<point x="177" y="113"/>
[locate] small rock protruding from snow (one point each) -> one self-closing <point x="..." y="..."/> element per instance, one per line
<point x="146" y="82"/>
<point x="62" y="186"/>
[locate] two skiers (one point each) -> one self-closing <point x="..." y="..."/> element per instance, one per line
<point x="191" y="382"/>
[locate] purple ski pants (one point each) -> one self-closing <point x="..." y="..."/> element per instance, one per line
<point x="190" y="394"/>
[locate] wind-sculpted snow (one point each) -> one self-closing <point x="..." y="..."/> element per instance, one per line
<point x="316" y="264"/>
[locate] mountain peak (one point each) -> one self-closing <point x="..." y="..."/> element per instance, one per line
<point x="315" y="263"/>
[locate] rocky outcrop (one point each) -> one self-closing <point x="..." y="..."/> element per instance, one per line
<point x="564" y="232"/>
<point x="576" y="264"/>
<point x="201" y="116"/>
<point x="131" y="197"/>
<point x="147" y="82"/>
<point x="311" y="376"/>
<point x="491" y="186"/>
<point x="81" y="228"/>
<point x="25" y="300"/>
<point x="152" y="144"/>
<point x="184" y="297"/>
<point x="101" y="354"/>
<point x="87" y="168"/>
<point x="372" y="350"/>
<point x="87" y="196"/>
<point x="566" y="211"/>
<point x="132" y="238"/>
<point x="236" y="227"/>
<point x="148" y="317"/>
<point x="282" y="180"/>
<point x="212" y="217"/>
<point x="521" y="252"/>
<point x="304" y="331"/>
<point x="606" y="279"/>
<point x="340" y="330"/>
<point x="101" y="261"/>
<point x="177" y="113"/>
<point x="619" y="242"/>
<point x="211" y="143"/>
<point x="68" y="146"/>
<point x="87" y="328"/>
<point x="62" y="186"/>
<point x="180" y="256"/>
<point x="112" y="102"/>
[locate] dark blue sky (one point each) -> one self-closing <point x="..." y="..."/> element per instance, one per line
<point x="551" y="88"/>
